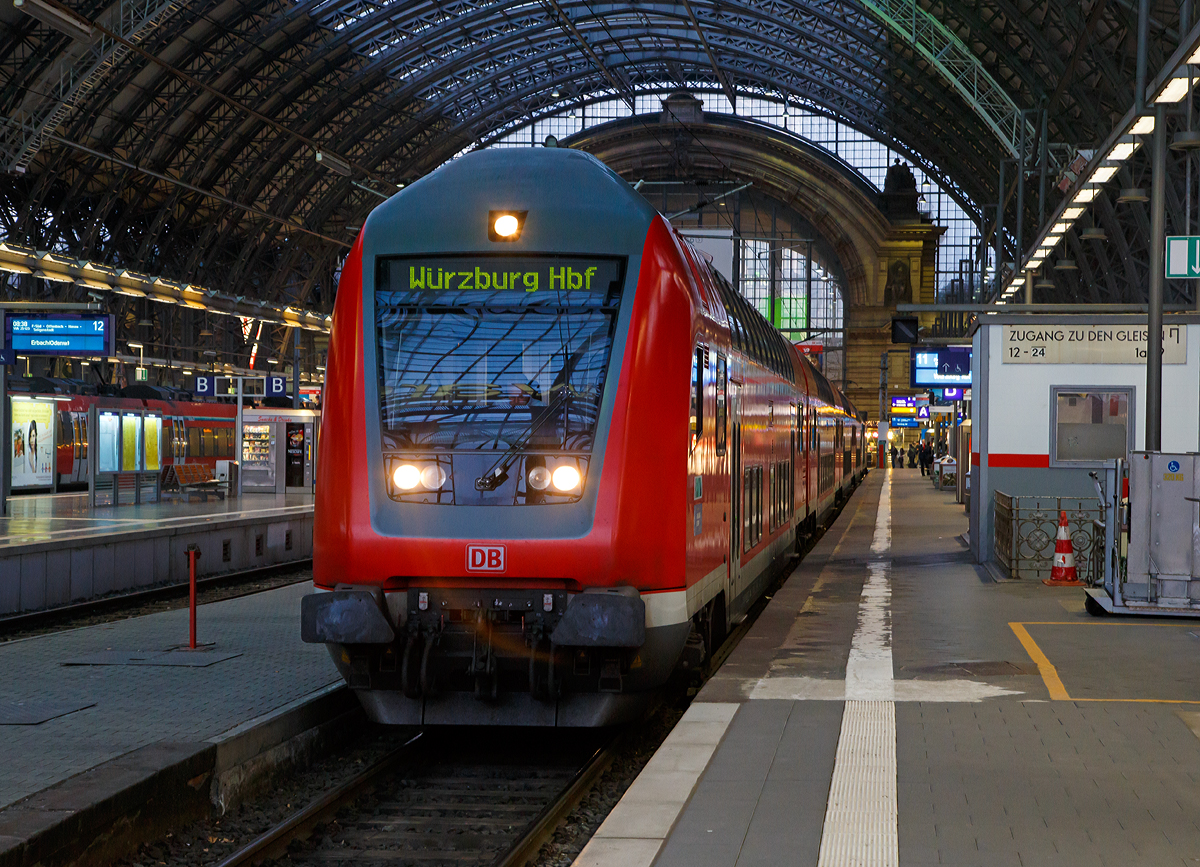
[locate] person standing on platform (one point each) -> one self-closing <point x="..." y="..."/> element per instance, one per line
<point x="923" y="457"/>
<point x="912" y="457"/>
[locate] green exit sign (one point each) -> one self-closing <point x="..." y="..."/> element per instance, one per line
<point x="1183" y="256"/>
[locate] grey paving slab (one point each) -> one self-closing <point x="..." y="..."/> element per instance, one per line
<point x="1110" y="776"/>
<point x="137" y="705"/>
<point x="36" y="711"/>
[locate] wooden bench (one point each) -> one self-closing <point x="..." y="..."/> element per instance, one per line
<point x="193" y="480"/>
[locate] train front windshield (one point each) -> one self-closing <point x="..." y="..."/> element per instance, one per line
<point x="487" y="353"/>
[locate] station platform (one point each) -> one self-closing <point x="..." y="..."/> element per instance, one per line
<point x="894" y="705"/>
<point x="88" y="714"/>
<point x="56" y="549"/>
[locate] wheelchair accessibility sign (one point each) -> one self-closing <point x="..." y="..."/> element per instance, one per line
<point x="1172" y="474"/>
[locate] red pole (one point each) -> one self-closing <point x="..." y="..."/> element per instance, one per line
<point x="192" y="552"/>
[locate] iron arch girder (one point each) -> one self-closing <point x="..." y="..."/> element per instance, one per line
<point x="49" y="101"/>
<point x="957" y="64"/>
<point x="393" y="58"/>
<point x="859" y="120"/>
<point x="727" y="67"/>
<point x="437" y="109"/>
<point x="816" y="188"/>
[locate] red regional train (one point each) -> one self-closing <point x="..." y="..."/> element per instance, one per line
<point x="557" y="449"/>
<point x="194" y="432"/>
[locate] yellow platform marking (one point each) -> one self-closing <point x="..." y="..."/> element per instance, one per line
<point x="1049" y="673"/>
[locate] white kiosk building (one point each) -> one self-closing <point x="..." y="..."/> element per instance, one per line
<point x="1055" y="396"/>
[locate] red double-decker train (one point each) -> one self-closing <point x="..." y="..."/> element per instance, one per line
<point x="557" y="448"/>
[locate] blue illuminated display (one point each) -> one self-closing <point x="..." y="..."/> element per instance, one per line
<point x="60" y="334"/>
<point x="941" y="366"/>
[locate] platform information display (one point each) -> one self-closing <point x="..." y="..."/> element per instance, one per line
<point x="59" y="334"/>
<point x="940" y="366"/>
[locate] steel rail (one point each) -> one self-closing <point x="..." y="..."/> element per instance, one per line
<point x="542" y="828"/>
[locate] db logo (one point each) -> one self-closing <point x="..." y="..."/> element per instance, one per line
<point x="486" y="558"/>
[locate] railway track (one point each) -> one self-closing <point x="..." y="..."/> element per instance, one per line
<point x="440" y="801"/>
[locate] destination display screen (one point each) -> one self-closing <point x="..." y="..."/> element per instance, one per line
<point x="59" y="334"/>
<point x="941" y="366"/>
<point x="478" y="353"/>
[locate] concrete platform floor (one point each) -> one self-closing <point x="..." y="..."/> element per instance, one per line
<point x="894" y="705"/>
<point x="108" y="707"/>
<point x="46" y="517"/>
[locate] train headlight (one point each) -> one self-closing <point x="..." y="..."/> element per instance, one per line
<point x="406" y="477"/>
<point x="433" y="477"/>
<point x="539" y="478"/>
<point x="566" y="478"/>
<point x="506" y="225"/>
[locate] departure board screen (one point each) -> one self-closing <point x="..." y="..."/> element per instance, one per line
<point x="58" y="334"/>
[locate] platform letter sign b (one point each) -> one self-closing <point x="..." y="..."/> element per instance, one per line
<point x="206" y="386"/>
<point x="276" y="386"/>
<point x="486" y="558"/>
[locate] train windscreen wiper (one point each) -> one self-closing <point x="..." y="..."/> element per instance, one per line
<point x="497" y="473"/>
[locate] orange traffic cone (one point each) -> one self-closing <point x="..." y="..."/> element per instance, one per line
<point x="1063" y="572"/>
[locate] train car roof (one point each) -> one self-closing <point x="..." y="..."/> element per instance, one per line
<point x="574" y="204"/>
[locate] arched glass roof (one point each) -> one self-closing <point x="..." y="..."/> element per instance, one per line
<point x="179" y="138"/>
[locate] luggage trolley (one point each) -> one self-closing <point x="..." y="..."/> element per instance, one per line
<point x="1152" y="536"/>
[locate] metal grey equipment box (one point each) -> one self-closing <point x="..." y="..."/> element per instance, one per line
<point x="1159" y="570"/>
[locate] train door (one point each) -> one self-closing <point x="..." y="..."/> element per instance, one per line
<point x="79" y="422"/>
<point x="793" y="423"/>
<point x="735" y="489"/>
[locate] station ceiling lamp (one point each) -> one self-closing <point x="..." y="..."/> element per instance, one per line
<point x="1143" y="125"/>
<point x="1103" y="175"/>
<point x="1087" y="194"/>
<point x="1175" y="88"/>
<point x="1073" y="212"/>
<point x="1123" y="149"/>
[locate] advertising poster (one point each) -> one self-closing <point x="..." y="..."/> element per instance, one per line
<point x="32" y="443"/>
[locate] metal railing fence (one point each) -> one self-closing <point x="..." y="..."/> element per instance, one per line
<point x="1026" y="529"/>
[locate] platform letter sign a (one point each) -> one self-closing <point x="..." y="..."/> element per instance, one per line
<point x="206" y="386"/>
<point x="1183" y="256"/>
<point x="276" y="386"/>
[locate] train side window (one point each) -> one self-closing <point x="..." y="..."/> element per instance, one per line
<point x="193" y="442"/>
<point x="747" y="508"/>
<point x="758" y="494"/>
<point x="773" y="496"/>
<point x="697" y="414"/>
<point x="722" y="387"/>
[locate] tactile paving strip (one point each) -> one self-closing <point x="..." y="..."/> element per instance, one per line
<point x="860" y="820"/>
